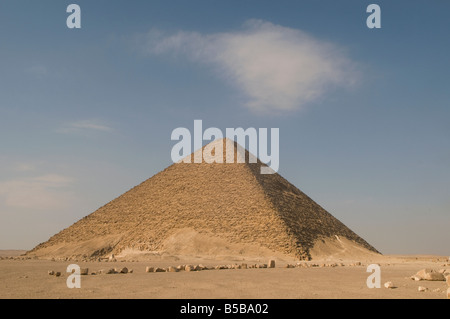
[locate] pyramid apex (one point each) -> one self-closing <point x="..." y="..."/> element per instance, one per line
<point x="216" y="152"/>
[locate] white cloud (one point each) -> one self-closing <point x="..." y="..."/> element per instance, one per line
<point x="276" y="68"/>
<point x="44" y="192"/>
<point x="85" y="125"/>
<point x="24" y="167"/>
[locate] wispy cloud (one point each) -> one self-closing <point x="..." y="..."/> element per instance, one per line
<point x="37" y="193"/>
<point x="275" y="67"/>
<point x="23" y="167"/>
<point x="85" y="125"/>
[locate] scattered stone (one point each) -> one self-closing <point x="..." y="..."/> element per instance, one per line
<point x="190" y="268"/>
<point x="111" y="271"/>
<point x="51" y="272"/>
<point x="57" y="274"/>
<point x="180" y="267"/>
<point x="422" y="289"/>
<point x="421" y="273"/>
<point x="435" y="276"/>
<point x="430" y="275"/>
<point x="358" y="263"/>
<point x="130" y="271"/>
<point x="84" y="271"/>
<point x="416" y="278"/>
<point x="244" y="266"/>
<point x="271" y="263"/>
<point x="389" y="285"/>
<point x="149" y="269"/>
<point x="157" y="269"/>
<point x="172" y="269"/>
<point x="124" y="270"/>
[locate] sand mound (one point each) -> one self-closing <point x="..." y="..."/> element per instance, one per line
<point x="340" y="248"/>
<point x="190" y="242"/>
<point x="209" y="209"/>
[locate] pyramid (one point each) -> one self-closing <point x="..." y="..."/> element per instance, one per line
<point x="226" y="203"/>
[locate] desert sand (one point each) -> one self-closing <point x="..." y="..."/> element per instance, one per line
<point x="30" y="279"/>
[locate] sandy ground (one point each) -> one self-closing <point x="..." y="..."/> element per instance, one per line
<point x="11" y="253"/>
<point x="30" y="279"/>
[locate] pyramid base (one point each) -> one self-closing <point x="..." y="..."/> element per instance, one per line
<point x="188" y="244"/>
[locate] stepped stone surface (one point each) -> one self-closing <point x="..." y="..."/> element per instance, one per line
<point x="232" y="201"/>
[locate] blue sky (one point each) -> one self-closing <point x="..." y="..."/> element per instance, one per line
<point x="364" y="114"/>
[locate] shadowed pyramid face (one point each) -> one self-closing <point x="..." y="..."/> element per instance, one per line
<point x="229" y="201"/>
